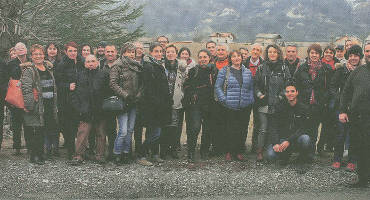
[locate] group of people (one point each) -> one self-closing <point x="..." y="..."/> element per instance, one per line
<point x="288" y="96"/>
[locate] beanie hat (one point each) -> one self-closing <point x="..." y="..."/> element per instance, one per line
<point x="355" y="49"/>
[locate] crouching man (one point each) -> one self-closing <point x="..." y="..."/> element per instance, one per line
<point x="290" y="130"/>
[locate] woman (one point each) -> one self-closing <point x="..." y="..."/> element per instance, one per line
<point x="126" y="82"/>
<point x="198" y="99"/>
<point x="85" y="50"/>
<point x="53" y="53"/>
<point x="328" y="126"/>
<point x="156" y="103"/>
<point x="234" y="89"/>
<point x="185" y="55"/>
<point x="270" y="80"/>
<point x="40" y="102"/>
<point x="176" y="74"/>
<point x="313" y="79"/>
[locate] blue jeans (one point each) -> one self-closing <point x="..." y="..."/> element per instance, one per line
<point x="126" y="123"/>
<point x="303" y="146"/>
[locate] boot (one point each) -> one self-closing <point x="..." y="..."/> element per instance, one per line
<point x="259" y="151"/>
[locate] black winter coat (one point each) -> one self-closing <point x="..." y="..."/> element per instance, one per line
<point x="337" y="84"/>
<point x="65" y="74"/>
<point x="270" y="80"/>
<point x="320" y="85"/>
<point x="199" y="85"/>
<point x="91" y="88"/>
<point x="4" y="79"/>
<point x="157" y="102"/>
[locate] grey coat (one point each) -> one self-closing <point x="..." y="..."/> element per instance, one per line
<point x="31" y="82"/>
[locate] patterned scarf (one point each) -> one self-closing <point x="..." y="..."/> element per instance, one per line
<point x="314" y="68"/>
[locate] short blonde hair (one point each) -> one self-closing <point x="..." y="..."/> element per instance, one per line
<point x="37" y="47"/>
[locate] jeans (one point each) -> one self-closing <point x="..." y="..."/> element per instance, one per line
<point x="198" y="116"/>
<point x="126" y="123"/>
<point x="263" y="119"/>
<point x="340" y="140"/>
<point x="171" y="133"/>
<point x="138" y="132"/>
<point x="35" y="135"/>
<point x="303" y="146"/>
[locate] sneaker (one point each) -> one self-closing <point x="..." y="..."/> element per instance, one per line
<point x="157" y="159"/>
<point x="351" y="167"/>
<point x="228" y="157"/>
<point x="144" y="162"/>
<point x="335" y="166"/>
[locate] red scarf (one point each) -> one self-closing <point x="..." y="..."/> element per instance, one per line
<point x="331" y="63"/>
<point x="253" y="67"/>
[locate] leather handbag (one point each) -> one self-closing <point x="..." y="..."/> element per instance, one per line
<point x="14" y="95"/>
<point x="114" y="104"/>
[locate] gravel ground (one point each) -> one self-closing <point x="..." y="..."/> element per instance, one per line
<point x="214" y="179"/>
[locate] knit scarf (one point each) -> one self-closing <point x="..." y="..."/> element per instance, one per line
<point x="314" y="68"/>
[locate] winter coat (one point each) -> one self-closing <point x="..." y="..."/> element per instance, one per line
<point x="30" y="80"/>
<point x="246" y="63"/>
<point x="270" y="80"/>
<point x="126" y="80"/>
<point x="337" y="84"/>
<point x="4" y="79"/>
<point x="87" y="98"/>
<point x="157" y="102"/>
<point x="15" y="70"/>
<point x="320" y="85"/>
<point x="235" y="97"/>
<point x="181" y="74"/>
<point x="199" y="85"/>
<point x="289" y="123"/>
<point x="66" y="73"/>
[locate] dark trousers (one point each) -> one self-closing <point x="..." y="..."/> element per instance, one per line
<point x="343" y="131"/>
<point x="170" y="135"/>
<point x="235" y="128"/>
<point x="35" y="135"/>
<point x="218" y="128"/>
<point x="1" y="121"/>
<point x="138" y="132"/>
<point x="328" y="130"/>
<point x="255" y="128"/>
<point x="111" y="132"/>
<point x="16" y="123"/>
<point x="198" y="116"/>
<point x="71" y="122"/>
<point x="360" y="142"/>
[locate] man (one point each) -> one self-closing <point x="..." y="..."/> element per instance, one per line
<point x="211" y="46"/>
<point x="139" y="52"/>
<point x="336" y="89"/>
<point x="255" y="60"/>
<point x="339" y="53"/>
<point x="110" y="56"/>
<point x="66" y="79"/>
<point x="100" y="51"/>
<point x="244" y="52"/>
<point x="348" y="44"/>
<point x="252" y="63"/>
<point x="16" y="116"/>
<point x="290" y="132"/>
<point x="163" y="40"/>
<point x="355" y="108"/>
<point x="291" y="61"/>
<point x="88" y="95"/>
<point x="222" y="52"/>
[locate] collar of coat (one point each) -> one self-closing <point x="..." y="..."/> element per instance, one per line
<point x="132" y="64"/>
<point x="48" y="65"/>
